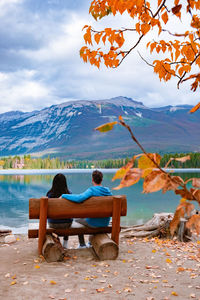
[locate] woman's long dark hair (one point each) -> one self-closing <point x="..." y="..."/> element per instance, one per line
<point x="59" y="186"/>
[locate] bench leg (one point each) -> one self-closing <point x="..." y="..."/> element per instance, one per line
<point x="43" y="223"/>
<point x="117" y="202"/>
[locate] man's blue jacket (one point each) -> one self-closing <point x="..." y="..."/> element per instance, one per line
<point x="93" y="191"/>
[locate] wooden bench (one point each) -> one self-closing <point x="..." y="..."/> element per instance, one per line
<point x="94" y="207"/>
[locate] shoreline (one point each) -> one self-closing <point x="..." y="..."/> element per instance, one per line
<point x="72" y="171"/>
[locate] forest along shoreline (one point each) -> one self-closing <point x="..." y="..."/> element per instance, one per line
<point x="33" y="162"/>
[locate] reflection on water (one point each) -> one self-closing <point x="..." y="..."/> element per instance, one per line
<point x="16" y="190"/>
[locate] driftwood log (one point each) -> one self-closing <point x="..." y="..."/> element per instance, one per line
<point x="4" y="232"/>
<point x="52" y="249"/>
<point x="104" y="247"/>
<point x="158" y="225"/>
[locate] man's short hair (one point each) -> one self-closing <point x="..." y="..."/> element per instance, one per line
<point x="97" y="176"/>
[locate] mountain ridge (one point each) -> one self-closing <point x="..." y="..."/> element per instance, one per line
<point x="67" y="129"/>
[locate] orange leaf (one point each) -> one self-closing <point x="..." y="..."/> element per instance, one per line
<point x="123" y="170"/>
<point x="97" y="37"/>
<point x="176" y="9"/>
<point x="196" y="194"/>
<point x="196" y="182"/>
<point x="154" y="182"/>
<point x="165" y="17"/>
<point x="194" y="221"/>
<point x="137" y="27"/>
<point x="182" y="159"/>
<point x="180" y="269"/>
<point x="37" y="267"/>
<point x="195" y="108"/>
<point x="84" y="27"/>
<point x="145" y="28"/>
<point x="106" y="127"/>
<point x="185" y="194"/>
<point x="130" y="178"/>
<point x="181" y="210"/>
<point x="172" y="183"/>
<point x="100" y="290"/>
<point x="174" y="294"/>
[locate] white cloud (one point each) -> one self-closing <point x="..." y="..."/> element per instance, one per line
<point x="6" y="5"/>
<point x="40" y="63"/>
<point x="62" y="45"/>
<point x="25" y="92"/>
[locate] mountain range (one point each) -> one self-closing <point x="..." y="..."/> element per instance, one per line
<point x="67" y="130"/>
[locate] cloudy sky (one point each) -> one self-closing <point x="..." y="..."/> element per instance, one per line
<point x="40" y="64"/>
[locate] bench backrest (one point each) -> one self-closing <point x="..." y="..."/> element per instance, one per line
<point x="94" y="207"/>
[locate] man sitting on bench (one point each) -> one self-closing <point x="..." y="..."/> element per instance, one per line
<point x="96" y="190"/>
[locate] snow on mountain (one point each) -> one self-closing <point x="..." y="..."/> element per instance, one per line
<point x="139" y="114"/>
<point x="67" y="129"/>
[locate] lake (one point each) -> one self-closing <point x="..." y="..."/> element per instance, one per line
<point x="15" y="191"/>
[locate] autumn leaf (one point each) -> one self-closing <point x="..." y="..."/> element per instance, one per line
<point x="100" y="290"/>
<point x="172" y="183"/>
<point x="195" y="108"/>
<point x="196" y="182"/>
<point x="180" y="269"/>
<point x="145" y="28"/>
<point x="185" y="194"/>
<point x="179" y="213"/>
<point x="182" y="159"/>
<point x="165" y="17"/>
<point x="130" y="178"/>
<point x="182" y="209"/>
<point x="106" y="127"/>
<point x="123" y="170"/>
<point x="154" y="182"/>
<point x="194" y="222"/>
<point x="196" y="194"/>
<point x="176" y="9"/>
<point x="145" y="162"/>
<point x="37" y="267"/>
<point x="174" y="294"/>
<point x="52" y="282"/>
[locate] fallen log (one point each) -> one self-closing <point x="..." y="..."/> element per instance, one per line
<point x="104" y="247"/>
<point x="52" y="249"/>
<point x="157" y="226"/>
<point x="142" y="234"/>
<point x="4" y="232"/>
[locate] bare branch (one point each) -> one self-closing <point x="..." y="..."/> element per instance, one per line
<point x="144" y="59"/>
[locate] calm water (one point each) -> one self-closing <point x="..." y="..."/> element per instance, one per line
<point x="15" y="191"/>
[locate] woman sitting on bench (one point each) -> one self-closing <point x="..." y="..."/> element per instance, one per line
<point x="59" y="186"/>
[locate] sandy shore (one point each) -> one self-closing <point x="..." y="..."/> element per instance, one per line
<point x="144" y="270"/>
